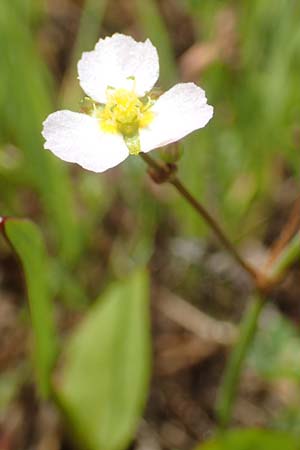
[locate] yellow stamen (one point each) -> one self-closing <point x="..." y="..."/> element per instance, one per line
<point x="125" y="113"/>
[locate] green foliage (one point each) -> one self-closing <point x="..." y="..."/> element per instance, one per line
<point x="288" y="256"/>
<point x="27" y="241"/>
<point x="234" y="165"/>
<point x="275" y="352"/>
<point x="288" y="420"/>
<point x="155" y="29"/>
<point x="25" y="101"/>
<point x="252" y="440"/>
<point x="256" y="100"/>
<point x="229" y="385"/>
<point x="103" y="383"/>
<point x="88" y="33"/>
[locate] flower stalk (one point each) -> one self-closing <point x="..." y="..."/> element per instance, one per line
<point x="124" y="116"/>
<point x="163" y="172"/>
<point x="264" y="282"/>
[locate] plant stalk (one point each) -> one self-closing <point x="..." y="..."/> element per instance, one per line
<point x="264" y="281"/>
<point x="286" y="258"/>
<point x="229" y="386"/>
<point x="209" y="219"/>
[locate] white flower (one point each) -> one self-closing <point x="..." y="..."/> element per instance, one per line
<point x="123" y="116"/>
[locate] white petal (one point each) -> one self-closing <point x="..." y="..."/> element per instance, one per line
<point x="77" y="138"/>
<point x="178" y="112"/>
<point x="114" y="60"/>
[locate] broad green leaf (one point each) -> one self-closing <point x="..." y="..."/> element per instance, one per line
<point x="103" y="384"/>
<point x="27" y="241"/>
<point x="252" y="440"/>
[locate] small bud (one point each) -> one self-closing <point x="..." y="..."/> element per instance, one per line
<point x="163" y="174"/>
<point x="171" y="153"/>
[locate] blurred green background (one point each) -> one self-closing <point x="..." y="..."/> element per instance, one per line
<point x="245" y="164"/>
<point x="245" y="55"/>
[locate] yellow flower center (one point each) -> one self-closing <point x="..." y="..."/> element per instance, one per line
<point x="125" y="113"/>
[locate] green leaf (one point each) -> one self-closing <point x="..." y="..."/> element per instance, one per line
<point x="25" y="102"/>
<point x="27" y="241"/>
<point x="103" y="385"/>
<point x="252" y="440"/>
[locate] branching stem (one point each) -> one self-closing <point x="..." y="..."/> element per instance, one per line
<point x="264" y="281"/>
<point x="161" y="170"/>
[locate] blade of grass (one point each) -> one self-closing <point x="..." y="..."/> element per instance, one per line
<point x="232" y="374"/>
<point x="24" y="103"/>
<point x="27" y="242"/>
